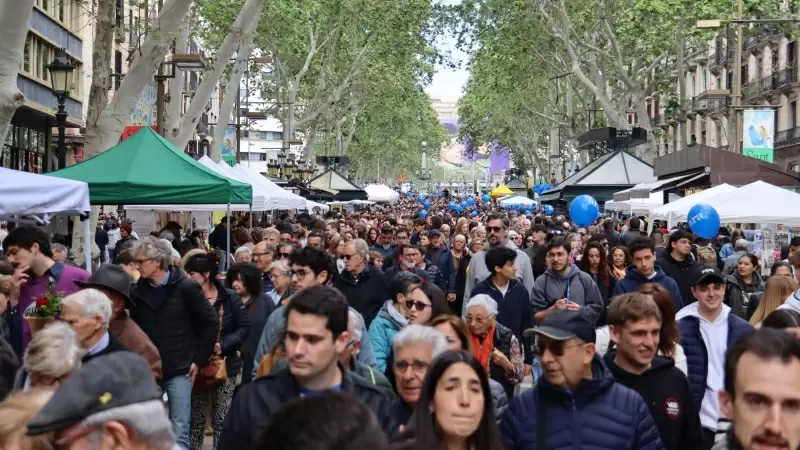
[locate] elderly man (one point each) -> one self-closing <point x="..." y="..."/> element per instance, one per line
<point x="88" y="312"/>
<point x="271" y="236"/>
<point x="415" y="347"/>
<point x="368" y="375"/>
<point x="60" y="252"/>
<point x="263" y="255"/>
<point x="114" y="282"/>
<point x="365" y="286"/>
<point x="243" y="255"/>
<point x="111" y="403"/>
<point x="175" y="314"/>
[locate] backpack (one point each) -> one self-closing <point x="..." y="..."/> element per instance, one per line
<point x="707" y="255"/>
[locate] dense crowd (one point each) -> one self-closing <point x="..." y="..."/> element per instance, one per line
<point x="385" y="328"/>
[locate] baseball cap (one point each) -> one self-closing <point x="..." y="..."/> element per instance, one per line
<point x="106" y="382"/>
<point x="566" y="324"/>
<point x="434" y="233"/>
<point x="709" y="275"/>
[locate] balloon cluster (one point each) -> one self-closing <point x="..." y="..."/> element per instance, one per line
<point x="485" y="197"/>
<point x="541" y="188"/>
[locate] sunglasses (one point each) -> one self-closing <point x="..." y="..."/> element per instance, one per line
<point x="411" y="304"/>
<point x="494" y="229"/>
<point x="285" y="255"/>
<point x="556" y="348"/>
<point x="347" y="257"/>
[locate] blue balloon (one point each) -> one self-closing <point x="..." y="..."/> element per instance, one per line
<point x="703" y="221"/>
<point x="459" y="208"/>
<point x="427" y="203"/>
<point x="470" y="201"/>
<point x="583" y="210"/>
<point x="473" y="213"/>
<point x="548" y="209"/>
<point x="421" y="198"/>
<point x="423" y="214"/>
<point x="451" y="205"/>
<point x="485" y="197"/>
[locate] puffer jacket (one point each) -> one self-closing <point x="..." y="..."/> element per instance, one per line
<point x="599" y="414"/>
<point x="634" y="280"/>
<point x="235" y="327"/>
<point x="578" y="286"/>
<point x="435" y="275"/>
<point x="737" y="292"/>
<point x="366" y="292"/>
<point x="499" y="399"/>
<point x="183" y="327"/>
<point x="382" y="330"/>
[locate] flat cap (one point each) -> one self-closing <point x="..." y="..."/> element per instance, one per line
<point x="105" y="382"/>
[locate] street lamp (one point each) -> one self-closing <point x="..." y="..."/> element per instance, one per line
<point x="273" y="168"/>
<point x="424" y="172"/>
<point x="61" y="77"/>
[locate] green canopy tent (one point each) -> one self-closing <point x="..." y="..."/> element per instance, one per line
<point x="146" y="169"/>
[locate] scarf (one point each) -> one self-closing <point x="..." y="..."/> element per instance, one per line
<point x="618" y="273"/>
<point x="483" y="351"/>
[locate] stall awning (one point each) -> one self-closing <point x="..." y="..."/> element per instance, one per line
<point x="643" y="190"/>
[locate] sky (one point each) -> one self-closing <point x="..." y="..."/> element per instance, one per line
<point x="448" y="83"/>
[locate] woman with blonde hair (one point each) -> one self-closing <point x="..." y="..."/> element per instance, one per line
<point x="16" y="411"/>
<point x="55" y="352"/>
<point x="776" y="291"/>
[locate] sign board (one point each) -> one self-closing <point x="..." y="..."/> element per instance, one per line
<point x="131" y="130"/>
<point x="758" y="129"/>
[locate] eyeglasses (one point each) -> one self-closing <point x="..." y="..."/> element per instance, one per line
<point x="477" y="319"/>
<point x="139" y="262"/>
<point x="347" y="257"/>
<point x="411" y="304"/>
<point x="556" y="348"/>
<point x="494" y="229"/>
<point x="418" y="366"/>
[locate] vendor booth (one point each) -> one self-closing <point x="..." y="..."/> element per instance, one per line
<point x="381" y="193"/>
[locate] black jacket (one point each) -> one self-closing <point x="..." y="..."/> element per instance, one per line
<point x="258" y="310"/>
<point x="235" y="327"/>
<point x="113" y="346"/>
<point x="366" y="293"/>
<point x="683" y="272"/>
<point x="668" y="395"/>
<point x="183" y="328"/>
<point x="254" y="403"/>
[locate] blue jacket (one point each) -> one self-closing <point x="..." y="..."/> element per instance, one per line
<point x="633" y="280"/>
<point x="382" y="330"/>
<point x="514" y="310"/>
<point x="696" y="353"/>
<point x="600" y="414"/>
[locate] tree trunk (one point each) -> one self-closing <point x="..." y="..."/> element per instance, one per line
<point x="15" y="19"/>
<point x="176" y="84"/>
<point x="112" y="120"/>
<point x="231" y="92"/>
<point x="181" y="131"/>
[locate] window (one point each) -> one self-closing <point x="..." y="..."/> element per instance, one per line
<point x="24" y="149"/>
<point x="117" y="69"/>
<point x="705" y="80"/>
<point x="793" y="114"/>
<point x="45" y="5"/>
<point x="26" y="57"/>
<point x="120" y="19"/>
<point x="130" y="29"/>
<point x="791" y="56"/>
<point x="61" y="10"/>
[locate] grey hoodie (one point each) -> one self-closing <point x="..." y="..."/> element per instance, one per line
<point x="477" y="271"/>
<point x="551" y="287"/>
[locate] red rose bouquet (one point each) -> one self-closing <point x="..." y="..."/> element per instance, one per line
<point x="48" y="304"/>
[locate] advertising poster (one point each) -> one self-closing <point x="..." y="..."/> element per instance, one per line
<point x="229" y="146"/>
<point x="758" y="127"/>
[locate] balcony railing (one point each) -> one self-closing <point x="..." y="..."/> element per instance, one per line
<point x="787" y="138"/>
<point x="785" y="77"/>
<point x="719" y="58"/>
<point x="752" y="89"/>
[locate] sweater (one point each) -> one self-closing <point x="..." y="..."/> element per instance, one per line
<point x="382" y="331"/>
<point x="634" y="280"/>
<point x="577" y="286"/>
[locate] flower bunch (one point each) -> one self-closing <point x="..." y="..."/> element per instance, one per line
<point x="48" y="304"/>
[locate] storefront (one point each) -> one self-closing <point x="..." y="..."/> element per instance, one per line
<point x="26" y="145"/>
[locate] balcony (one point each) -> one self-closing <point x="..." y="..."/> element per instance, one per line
<point x="718" y="59"/>
<point x="785" y="79"/>
<point x="752" y="90"/>
<point x="787" y="138"/>
<point x="659" y="120"/>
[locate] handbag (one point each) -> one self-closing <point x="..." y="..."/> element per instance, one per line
<point x="215" y="372"/>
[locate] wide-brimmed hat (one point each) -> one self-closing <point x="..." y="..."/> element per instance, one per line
<point x="112" y="277"/>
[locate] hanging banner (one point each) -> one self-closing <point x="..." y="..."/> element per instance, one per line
<point x="758" y="128"/>
<point x="229" y="146"/>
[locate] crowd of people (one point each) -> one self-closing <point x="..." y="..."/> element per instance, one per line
<point x="381" y="329"/>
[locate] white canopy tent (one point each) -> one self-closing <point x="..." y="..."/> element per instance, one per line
<point x="639" y="205"/>
<point x="30" y="194"/>
<point x="676" y="211"/>
<point x="516" y="200"/>
<point x="279" y="198"/>
<point x="757" y="202"/>
<point x="381" y="193"/>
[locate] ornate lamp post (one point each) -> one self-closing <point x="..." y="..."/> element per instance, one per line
<point x="61" y="77"/>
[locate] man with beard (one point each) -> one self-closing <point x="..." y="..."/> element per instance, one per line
<point x="497" y="236"/>
<point x="634" y="324"/>
<point x="761" y="392"/>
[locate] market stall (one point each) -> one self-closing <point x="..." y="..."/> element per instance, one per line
<point x="517" y="200"/>
<point x="674" y="212"/>
<point x="44" y="197"/>
<point x="381" y="193"/>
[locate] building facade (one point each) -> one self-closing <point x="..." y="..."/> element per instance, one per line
<point x="55" y="24"/>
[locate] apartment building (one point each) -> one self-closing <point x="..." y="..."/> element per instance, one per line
<point x="54" y="24"/>
<point x="769" y="74"/>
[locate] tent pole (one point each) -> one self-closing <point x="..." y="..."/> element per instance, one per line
<point x="251" y="216"/>
<point x="228" y="218"/>
<point x="87" y="249"/>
